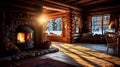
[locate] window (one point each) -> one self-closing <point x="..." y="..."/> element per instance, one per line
<point x="77" y="24"/>
<point x="97" y="24"/>
<point x="100" y="24"/>
<point x="54" y="26"/>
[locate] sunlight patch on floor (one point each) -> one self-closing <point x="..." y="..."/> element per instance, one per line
<point x="86" y="56"/>
<point x="98" y="54"/>
<point x="95" y="60"/>
<point x="75" y="57"/>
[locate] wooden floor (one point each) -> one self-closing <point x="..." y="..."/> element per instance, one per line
<point x="82" y="54"/>
<point x="98" y="47"/>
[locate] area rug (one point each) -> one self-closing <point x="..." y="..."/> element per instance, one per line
<point x="45" y="63"/>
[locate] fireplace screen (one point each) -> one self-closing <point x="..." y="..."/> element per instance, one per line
<point x="21" y="38"/>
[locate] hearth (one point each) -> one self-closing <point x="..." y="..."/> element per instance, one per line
<point x="24" y="36"/>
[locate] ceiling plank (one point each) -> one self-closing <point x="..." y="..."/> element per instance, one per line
<point x="62" y="4"/>
<point x="19" y="6"/>
<point x="68" y="1"/>
<point x="45" y="4"/>
<point x="94" y="2"/>
<point x="53" y="9"/>
<point x="82" y="1"/>
<point x="105" y="8"/>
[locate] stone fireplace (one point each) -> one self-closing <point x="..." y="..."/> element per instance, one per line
<point x="21" y="35"/>
<point x="24" y="35"/>
<point x="25" y="38"/>
<point x="21" y="32"/>
<point x="19" y="27"/>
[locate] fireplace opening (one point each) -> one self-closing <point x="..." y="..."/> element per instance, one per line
<point x="25" y="38"/>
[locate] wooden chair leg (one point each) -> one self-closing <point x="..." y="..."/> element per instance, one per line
<point x="114" y="51"/>
<point x="107" y="49"/>
<point x="117" y="51"/>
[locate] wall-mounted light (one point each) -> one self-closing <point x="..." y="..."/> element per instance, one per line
<point x="43" y="19"/>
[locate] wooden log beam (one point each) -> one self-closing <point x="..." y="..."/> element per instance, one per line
<point x="82" y="1"/>
<point x="45" y="4"/>
<point x="54" y="9"/>
<point x="57" y="14"/>
<point x="17" y="6"/>
<point x="94" y="2"/>
<point x="20" y="10"/>
<point x="103" y="12"/>
<point x="105" y="8"/>
<point x="62" y="4"/>
<point x="68" y="1"/>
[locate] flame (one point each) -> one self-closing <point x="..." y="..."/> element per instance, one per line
<point x="110" y="25"/>
<point x="20" y="37"/>
<point x="29" y="36"/>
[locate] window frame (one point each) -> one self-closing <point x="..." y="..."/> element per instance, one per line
<point x="102" y="25"/>
<point x="64" y="22"/>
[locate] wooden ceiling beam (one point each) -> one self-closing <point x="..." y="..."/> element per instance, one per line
<point x="55" y="6"/>
<point x="20" y="10"/>
<point x="103" y="12"/>
<point x="45" y="4"/>
<point x="94" y="2"/>
<point x="68" y="1"/>
<point x="17" y="6"/>
<point x="57" y="14"/>
<point x="53" y="9"/>
<point x="105" y="8"/>
<point x="82" y="1"/>
<point x="62" y="4"/>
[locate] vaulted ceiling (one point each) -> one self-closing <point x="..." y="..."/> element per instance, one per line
<point x="59" y="5"/>
<point x="84" y="3"/>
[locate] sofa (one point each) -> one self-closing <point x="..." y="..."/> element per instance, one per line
<point x="90" y="38"/>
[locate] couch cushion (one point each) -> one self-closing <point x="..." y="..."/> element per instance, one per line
<point x="87" y="35"/>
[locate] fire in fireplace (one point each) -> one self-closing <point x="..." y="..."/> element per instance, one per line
<point x="22" y="37"/>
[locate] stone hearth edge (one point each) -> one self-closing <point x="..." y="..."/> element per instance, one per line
<point x="27" y="54"/>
